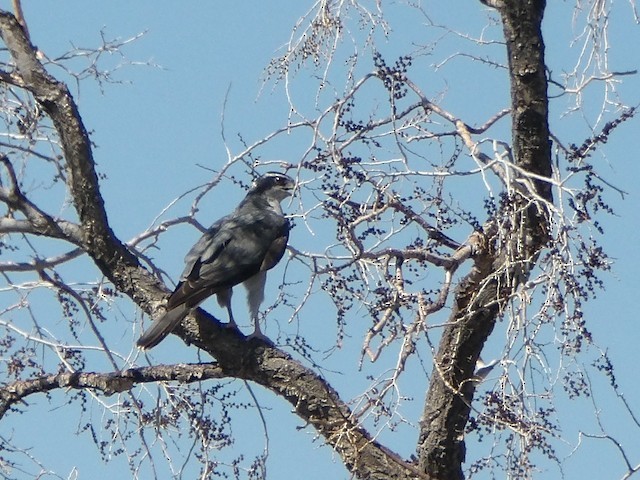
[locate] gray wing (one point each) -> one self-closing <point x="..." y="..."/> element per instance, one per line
<point x="189" y="292"/>
<point x="231" y="251"/>
<point x="276" y="250"/>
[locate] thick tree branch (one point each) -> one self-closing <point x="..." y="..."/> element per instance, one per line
<point x="501" y="265"/>
<point x="312" y="398"/>
<point x="112" y="257"/>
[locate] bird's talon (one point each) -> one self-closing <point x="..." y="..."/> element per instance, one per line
<point x="261" y="336"/>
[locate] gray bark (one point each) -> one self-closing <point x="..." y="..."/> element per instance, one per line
<point x="498" y="269"/>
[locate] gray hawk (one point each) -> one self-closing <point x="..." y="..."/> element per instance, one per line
<point x="238" y="248"/>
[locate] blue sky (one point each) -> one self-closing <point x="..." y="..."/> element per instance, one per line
<point x="158" y="132"/>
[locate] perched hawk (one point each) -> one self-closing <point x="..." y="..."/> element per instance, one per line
<point x="238" y="248"/>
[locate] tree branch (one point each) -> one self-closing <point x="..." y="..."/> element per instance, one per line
<point x="501" y="265"/>
<point x="38" y="264"/>
<point x="110" y="255"/>
<point x="107" y="383"/>
<point x="38" y="222"/>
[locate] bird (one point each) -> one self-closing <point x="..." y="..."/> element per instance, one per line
<point x="238" y="248"/>
<point x="483" y="369"/>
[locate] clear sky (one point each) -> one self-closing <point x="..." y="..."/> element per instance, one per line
<point x="158" y="132"/>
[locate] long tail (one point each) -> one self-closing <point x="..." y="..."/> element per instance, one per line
<point x="162" y="327"/>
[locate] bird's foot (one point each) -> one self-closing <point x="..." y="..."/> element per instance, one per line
<point x="231" y="325"/>
<point x="260" y="336"/>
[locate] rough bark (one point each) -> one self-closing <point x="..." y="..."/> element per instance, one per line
<point x="498" y="268"/>
<point x="107" y="383"/>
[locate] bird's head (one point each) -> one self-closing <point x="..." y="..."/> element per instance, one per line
<point x="273" y="185"/>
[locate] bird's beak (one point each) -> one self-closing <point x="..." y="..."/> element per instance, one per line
<point x="291" y="188"/>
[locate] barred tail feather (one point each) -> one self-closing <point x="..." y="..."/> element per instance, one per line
<point x="162" y="327"/>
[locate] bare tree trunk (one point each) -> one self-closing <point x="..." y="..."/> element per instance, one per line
<point x="498" y="267"/>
